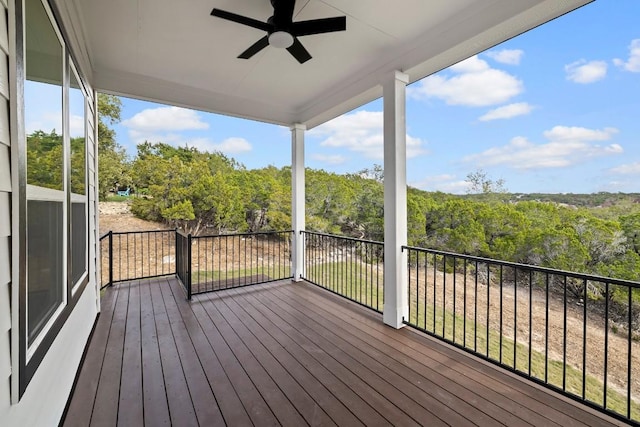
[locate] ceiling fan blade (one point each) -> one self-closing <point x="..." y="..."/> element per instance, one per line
<point x="299" y="52"/>
<point x="283" y="12"/>
<point x="318" y="26"/>
<point x="255" y="48"/>
<point x="264" y="26"/>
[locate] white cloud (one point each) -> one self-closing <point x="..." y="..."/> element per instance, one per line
<point x="586" y="72"/>
<point x="633" y="63"/>
<point x="627" y="169"/>
<point x="445" y="183"/>
<point x="168" y="124"/>
<point x="45" y="122"/>
<point x="473" y="64"/>
<point x="138" y="137"/>
<point x="362" y="133"/>
<point x="475" y="84"/>
<point x="76" y="126"/>
<point x="165" y="119"/>
<point x="566" y="146"/>
<point x="232" y="145"/>
<point x="329" y="159"/>
<point x="575" y="133"/>
<point x="506" y="56"/>
<point x="507" y="112"/>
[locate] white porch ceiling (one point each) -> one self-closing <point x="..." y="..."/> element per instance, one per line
<point x="174" y="52"/>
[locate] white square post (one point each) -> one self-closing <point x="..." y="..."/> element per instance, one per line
<point x="297" y="200"/>
<point x="396" y="299"/>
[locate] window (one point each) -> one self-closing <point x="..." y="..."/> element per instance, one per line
<point x="78" y="180"/>
<point x="46" y="210"/>
<point x="53" y="199"/>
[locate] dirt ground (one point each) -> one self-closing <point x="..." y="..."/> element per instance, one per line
<point x="116" y="216"/>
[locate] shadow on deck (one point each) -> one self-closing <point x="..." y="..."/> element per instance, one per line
<point x="287" y="354"/>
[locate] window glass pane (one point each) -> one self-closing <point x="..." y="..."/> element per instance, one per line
<point x="43" y="94"/>
<point x="44" y="243"/>
<point x="43" y="99"/>
<point x="77" y="133"/>
<point x="78" y="231"/>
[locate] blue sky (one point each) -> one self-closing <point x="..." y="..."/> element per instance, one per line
<point x="554" y="110"/>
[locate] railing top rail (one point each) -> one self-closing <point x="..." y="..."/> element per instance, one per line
<point x="335" y="236"/>
<point x="104" y="236"/>
<point x="258" y="233"/>
<point x="140" y="232"/>
<point x="576" y="275"/>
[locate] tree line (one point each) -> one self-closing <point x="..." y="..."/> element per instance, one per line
<point x="202" y="192"/>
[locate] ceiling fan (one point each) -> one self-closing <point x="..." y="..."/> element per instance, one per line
<point x="282" y="32"/>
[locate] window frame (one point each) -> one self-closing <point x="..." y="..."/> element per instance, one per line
<point x="75" y="197"/>
<point x="27" y="356"/>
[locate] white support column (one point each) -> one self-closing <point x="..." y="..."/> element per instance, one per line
<point x="297" y="200"/>
<point x="396" y="303"/>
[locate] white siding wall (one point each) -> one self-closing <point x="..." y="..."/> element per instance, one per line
<point x="94" y="231"/>
<point x="46" y="396"/>
<point x="5" y="214"/>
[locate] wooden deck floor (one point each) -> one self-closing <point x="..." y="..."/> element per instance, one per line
<point x="287" y="354"/>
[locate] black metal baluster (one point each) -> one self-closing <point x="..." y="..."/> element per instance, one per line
<point x="464" y="305"/>
<point x="606" y="343"/>
<point x="475" y="309"/>
<point x="454" y="300"/>
<point x="501" y="312"/>
<point x="564" y="339"/>
<point x="488" y="300"/>
<point x="546" y="331"/>
<point x="530" y="316"/>
<point x="629" y="339"/>
<point x="584" y="340"/>
<point x="417" y="284"/>
<point x="515" y="318"/>
<point x="425" y="288"/>
<point x="435" y="298"/>
<point x="444" y="295"/>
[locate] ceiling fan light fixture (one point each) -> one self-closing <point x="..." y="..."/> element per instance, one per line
<point x="280" y="39"/>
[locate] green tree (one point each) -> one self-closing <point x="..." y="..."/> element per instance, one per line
<point x="481" y="183"/>
<point x="113" y="166"/>
<point x="188" y="189"/>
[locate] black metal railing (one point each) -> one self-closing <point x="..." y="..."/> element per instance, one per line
<point x="578" y="334"/>
<point x="352" y="268"/>
<point x="234" y="260"/>
<point x="201" y="263"/>
<point x="136" y="255"/>
<point x="183" y="260"/>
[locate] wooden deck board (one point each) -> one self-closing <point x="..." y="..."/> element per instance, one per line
<point x="269" y="388"/>
<point x="105" y="412"/>
<point x="469" y="370"/>
<point x="179" y="400"/>
<point x="204" y="402"/>
<point x="131" y="380"/>
<point x="82" y="404"/>
<point x="324" y="369"/>
<point x="287" y="354"/>
<point x="434" y="407"/>
<point x="424" y="374"/>
<point x="230" y="404"/>
<point x="156" y="409"/>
